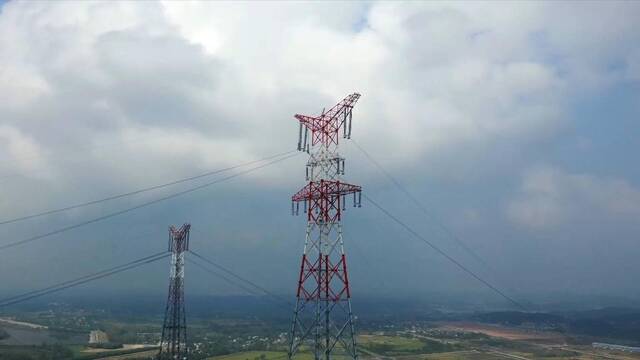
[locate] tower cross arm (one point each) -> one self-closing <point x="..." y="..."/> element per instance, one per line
<point x="327" y="121"/>
<point x="343" y="106"/>
<point x="325" y="189"/>
<point x="311" y="122"/>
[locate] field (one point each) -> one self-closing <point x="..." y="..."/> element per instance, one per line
<point x="482" y="341"/>
<point x="385" y="345"/>
<point x="265" y="355"/>
<point x="395" y="343"/>
<point x="136" y="356"/>
<point x="253" y="339"/>
<point x="258" y="355"/>
<point x="504" y="332"/>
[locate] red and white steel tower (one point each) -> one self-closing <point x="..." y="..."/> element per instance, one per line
<point x="323" y="318"/>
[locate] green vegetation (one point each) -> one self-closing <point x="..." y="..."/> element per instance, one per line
<point x="3" y="334"/>
<point x="256" y="355"/>
<point x="395" y="343"/>
<point x="57" y="352"/>
<point x="216" y="338"/>
<point x="265" y="355"/>
<point x="432" y="346"/>
<point x="399" y="345"/>
<point x="43" y="352"/>
<point x="463" y="355"/>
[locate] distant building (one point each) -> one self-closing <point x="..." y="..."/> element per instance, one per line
<point x="98" y="337"/>
<point x="615" y="347"/>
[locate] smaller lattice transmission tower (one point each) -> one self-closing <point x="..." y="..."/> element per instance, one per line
<point x="173" y="344"/>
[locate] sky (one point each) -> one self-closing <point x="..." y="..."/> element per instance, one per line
<point x="513" y="123"/>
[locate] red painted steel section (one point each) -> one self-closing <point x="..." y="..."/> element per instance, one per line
<point x="346" y="277"/>
<point x="323" y="199"/>
<point x="300" y="280"/>
<point x="324" y="128"/>
<point x="329" y="281"/>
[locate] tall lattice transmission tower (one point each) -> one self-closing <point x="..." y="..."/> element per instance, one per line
<point x="173" y="344"/>
<point x="323" y="319"/>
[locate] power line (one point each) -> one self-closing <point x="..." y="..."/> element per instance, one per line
<point x="139" y="191"/>
<point x="124" y="211"/>
<point x="217" y="274"/>
<point x="418" y="204"/>
<point x="276" y="300"/>
<point x="428" y="213"/>
<point x="267" y="292"/>
<point x="82" y="280"/>
<point x="441" y="252"/>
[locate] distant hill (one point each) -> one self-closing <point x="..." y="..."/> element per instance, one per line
<point x="618" y="323"/>
<point x="516" y="318"/>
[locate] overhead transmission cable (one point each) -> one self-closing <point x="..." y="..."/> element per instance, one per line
<point x="420" y="206"/>
<point x="424" y="209"/>
<point x="82" y="280"/>
<point x="143" y="190"/>
<point x="443" y="253"/>
<point x="249" y="290"/>
<point x="224" y="277"/>
<point x="249" y="282"/>
<point x="145" y="204"/>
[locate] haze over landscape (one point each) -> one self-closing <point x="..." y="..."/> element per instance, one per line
<point x="513" y="124"/>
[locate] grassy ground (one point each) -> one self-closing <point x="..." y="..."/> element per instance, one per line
<point x="258" y="355"/>
<point x="396" y="343"/>
<point x="463" y="355"/>
<point x="34" y="352"/>
<point x="400" y="345"/>
<point x="514" y="351"/>
<point x="268" y="355"/>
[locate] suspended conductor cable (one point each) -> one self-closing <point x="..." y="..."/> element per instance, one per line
<point x="422" y="207"/>
<point x="143" y="190"/>
<point x="223" y="277"/>
<point x="428" y="213"/>
<point x="145" y="204"/>
<point x="82" y="280"/>
<point x="251" y="283"/>
<point x="249" y="290"/>
<point x="447" y="256"/>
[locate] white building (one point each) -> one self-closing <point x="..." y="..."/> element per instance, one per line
<point x="98" y="337"/>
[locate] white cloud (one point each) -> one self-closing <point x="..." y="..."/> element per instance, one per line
<point x="20" y="151"/>
<point x="436" y="77"/>
<point x="550" y="197"/>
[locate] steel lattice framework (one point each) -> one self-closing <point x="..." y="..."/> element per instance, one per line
<point x="323" y="318"/>
<point x="173" y="344"/>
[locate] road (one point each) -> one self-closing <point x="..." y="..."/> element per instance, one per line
<point x="376" y="356"/>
